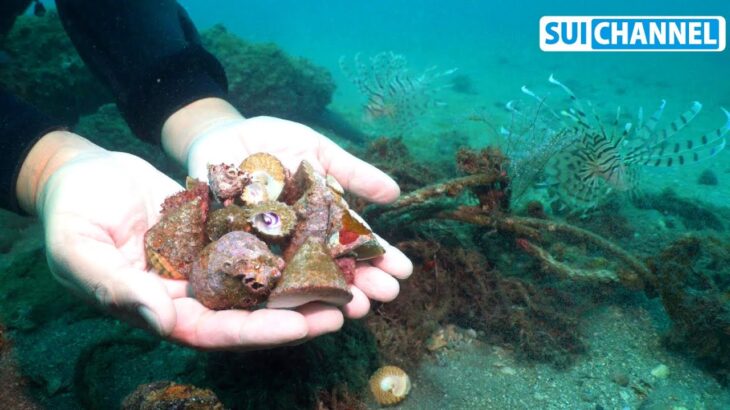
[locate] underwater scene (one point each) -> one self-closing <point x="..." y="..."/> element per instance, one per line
<point x="567" y="215"/>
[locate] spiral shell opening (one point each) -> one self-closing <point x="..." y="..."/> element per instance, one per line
<point x="268" y="173"/>
<point x="390" y="385"/>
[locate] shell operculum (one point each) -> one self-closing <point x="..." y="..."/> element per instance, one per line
<point x="272" y="219"/>
<point x="390" y="385"/>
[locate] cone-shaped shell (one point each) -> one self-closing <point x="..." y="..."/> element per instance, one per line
<point x="268" y="176"/>
<point x="390" y="385"/>
<point x="311" y="275"/>
<point x="271" y="219"/>
<point x="302" y="181"/>
<point x="352" y="236"/>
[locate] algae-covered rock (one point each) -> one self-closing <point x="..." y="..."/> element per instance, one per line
<point x="44" y="69"/>
<point x="263" y="80"/>
<point x="170" y="395"/>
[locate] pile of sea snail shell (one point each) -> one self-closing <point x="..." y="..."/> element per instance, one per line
<point x="257" y="235"/>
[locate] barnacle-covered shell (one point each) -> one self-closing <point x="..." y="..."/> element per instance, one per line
<point x="224" y="220"/>
<point x="390" y="385"/>
<point x="311" y="275"/>
<point x="237" y="271"/>
<point x="173" y="243"/>
<point x="226" y="182"/>
<point x="268" y="176"/>
<point x="271" y="219"/>
<point x="351" y="236"/>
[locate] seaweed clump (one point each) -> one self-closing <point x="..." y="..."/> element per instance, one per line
<point x="457" y="286"/>
<point x="263" y="80"/>
<point x="329" y="369"/>
<point x="693" y="282"/>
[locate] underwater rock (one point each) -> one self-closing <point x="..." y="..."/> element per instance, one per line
<point x="693" y="285"/>
<point x="45" y="70"/>
<point x="311" y="275"/>
<point x="707" y="177"/>
<point x="263" y="80"/>
<point x="237" y="271"/>
<point x="170" y="395"/>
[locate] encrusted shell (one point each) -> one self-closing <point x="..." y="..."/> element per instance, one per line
<point x="174" y="242"/>
<point x="390" y="385"/>
<point x="311" y="275"/>
<point x="224" y="220"/>
<point x="314" y="204"/>
<point x="271" y="219"/>
<point x="226" y="182"/>
<point x="237" y="271"/>
<point x="268" y="176"/>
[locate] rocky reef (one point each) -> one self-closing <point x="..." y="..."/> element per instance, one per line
<point x="45" y="70"/>
<point x="264" y="80"/>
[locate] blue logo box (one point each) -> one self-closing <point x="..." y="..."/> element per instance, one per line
<point x="632" y="33"/>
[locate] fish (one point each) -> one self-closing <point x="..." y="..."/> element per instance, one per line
<point x="597" y="160"/>
<point x="395" y="97"/>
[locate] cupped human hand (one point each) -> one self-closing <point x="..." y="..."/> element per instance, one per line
<point x="96" y="208"/>
<point x="228" y="138"/>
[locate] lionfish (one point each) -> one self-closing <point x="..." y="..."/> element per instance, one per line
<point x="590" y="160"/>
<point x="395" y="97"/>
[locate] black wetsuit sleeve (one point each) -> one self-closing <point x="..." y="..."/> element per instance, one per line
<point x="148" y="53"/>
<point x="21" y="126"/>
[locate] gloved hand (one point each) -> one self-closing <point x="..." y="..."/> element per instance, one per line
<point x="212" y="131"/>
<point x="96" y="206"/>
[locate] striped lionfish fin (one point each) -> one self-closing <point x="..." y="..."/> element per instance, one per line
<point x="669" y="153"/>
<point x="652" y="122"/>
<point x="577" y="112"/>
<point x="680" y="122"/>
